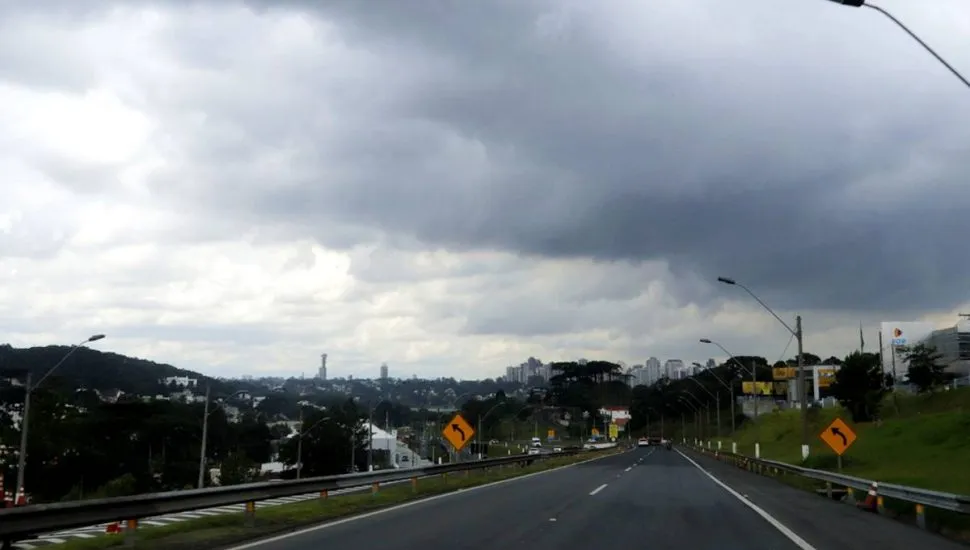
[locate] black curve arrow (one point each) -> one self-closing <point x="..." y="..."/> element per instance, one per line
<point x="838" y="432"/>
<point x="457" y="428"/>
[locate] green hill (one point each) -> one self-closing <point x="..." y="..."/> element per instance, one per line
<point x="92" y="369"/>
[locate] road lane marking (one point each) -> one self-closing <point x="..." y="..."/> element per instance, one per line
<point x="628" y="469"/>
<point x="791" y="535"/>
<point x="598" y="489"/>
<point x="418" y="502"/>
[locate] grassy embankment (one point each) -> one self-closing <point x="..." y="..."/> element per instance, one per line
<point x="922" y="441"/>
<point x="925" y="442"/>
<point x="226" y="529"/>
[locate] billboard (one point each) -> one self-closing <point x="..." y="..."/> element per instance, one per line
<point x="826" y="376"/>
<point x="784" y="373"/>
<point x="764" y="388"/>
<point x="897" y="334"/>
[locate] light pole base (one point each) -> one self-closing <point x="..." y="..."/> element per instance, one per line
<point x="804" y="453"/>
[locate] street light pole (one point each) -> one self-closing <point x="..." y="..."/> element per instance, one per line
<point x="797" y="333"/>
<point x="25" y="418"/>
<point x="730" y="389"/>
<point x="205" y="434"/>
<point x="754" y="381"/>
<point x="299" y="447"/>
<point x="205" y="438"/>
<point x="694" y="410"/>
<point x="299" y="443"/>
<point x="863" y="4"/>
<point x="478" y="432"/>
<point x="717" y="401"/>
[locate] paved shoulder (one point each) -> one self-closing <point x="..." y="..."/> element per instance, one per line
<point x="825" y="524"/>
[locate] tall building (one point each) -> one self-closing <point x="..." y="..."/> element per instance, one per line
<point x="654" y="370"/>
<point x="674" y="369"/>
<point x="529" y="370"/>
<point x="322" y="371"/>
<point x="384" y="371"/>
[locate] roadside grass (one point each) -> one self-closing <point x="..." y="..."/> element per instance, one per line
<point x="226" y="529"/>
<point x="923" y="444"/>
<point x="922" y="441"/>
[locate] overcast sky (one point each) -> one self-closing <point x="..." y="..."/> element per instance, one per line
<point x="451" y="186"/>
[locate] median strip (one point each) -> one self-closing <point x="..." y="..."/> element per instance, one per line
<point x="222" y="530"/>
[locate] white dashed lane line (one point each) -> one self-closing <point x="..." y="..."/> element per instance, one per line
<point x="598" y="489"/>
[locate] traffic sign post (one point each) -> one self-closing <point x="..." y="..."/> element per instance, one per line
<point x="839" y="437"/>
<point x="458" y="432"/>
<point x="614" y="431"/>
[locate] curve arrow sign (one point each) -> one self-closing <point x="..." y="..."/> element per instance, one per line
<point x="837" y="432"/>
<point x="461" y="432"/>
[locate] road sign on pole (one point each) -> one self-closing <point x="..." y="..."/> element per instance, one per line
<point x="839" y="436"/>
<point x="614" y="431"/>
<point x="458" y="432"/>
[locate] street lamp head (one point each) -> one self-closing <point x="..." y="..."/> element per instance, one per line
<point x="705" y="341"/>
<point x="96" y="337"/>
<point x="726" y="281"/>
<point x="696" y="364"/>
<point x="853" y="3"/>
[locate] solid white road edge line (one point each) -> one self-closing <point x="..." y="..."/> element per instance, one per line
<point x="424" y="500"/>
<point x="598" y="489"/>
<point x="791" y="535"/>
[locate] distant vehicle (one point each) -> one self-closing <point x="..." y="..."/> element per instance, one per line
<point x="536" y="443"/>
<point x="557" y="449"/>
<point x="535" y="451"/>
<point x="643" y="442"/>
<point x="667" y="444"/>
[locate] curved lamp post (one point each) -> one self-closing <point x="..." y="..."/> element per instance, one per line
<point x="797" y="333"/>
<point x="24" y="421"/>
<point x="863" y="4"/>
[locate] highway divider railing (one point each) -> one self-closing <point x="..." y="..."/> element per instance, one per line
<point x="27" y="521"/>
<point x="834" y="483"/>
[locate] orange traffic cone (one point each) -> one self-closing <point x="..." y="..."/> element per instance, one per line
<point x="872" y="498"/>
<point x="112" y="528"/>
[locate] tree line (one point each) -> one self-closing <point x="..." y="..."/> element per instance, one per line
<point x="81" y="446"/>
<point x="860" y="385"/>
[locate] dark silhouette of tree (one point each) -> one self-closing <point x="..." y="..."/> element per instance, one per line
<point x="859" y="385"/>
<point x="925" y="371"/>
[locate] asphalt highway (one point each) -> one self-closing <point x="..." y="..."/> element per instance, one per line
<point x="645" y="498"/>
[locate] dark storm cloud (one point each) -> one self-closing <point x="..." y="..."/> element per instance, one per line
<point x="747" y="153"/>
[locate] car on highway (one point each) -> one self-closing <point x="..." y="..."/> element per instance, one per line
<point x="643" y="442"/>
<point x="535" y="451"/>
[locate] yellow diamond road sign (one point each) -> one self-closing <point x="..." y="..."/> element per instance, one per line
<point x="458" y="432"/>
<point x="839" y="436"/>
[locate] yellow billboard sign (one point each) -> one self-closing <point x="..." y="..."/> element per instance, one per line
<point x="614" y="431"/>
<point x="784" y="373"/>
<point x="763" y="388"/>
<point x="826" y="377"/>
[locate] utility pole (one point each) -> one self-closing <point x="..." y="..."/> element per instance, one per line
<point x="22" y="455"/>
<point x="802" y="389"/>
<point x="205" y="437"/>
<point x="370" y="440"/>
<point x="299" y="447"/>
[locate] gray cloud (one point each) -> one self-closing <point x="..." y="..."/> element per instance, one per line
<point x="734" y="155"/>
<point x="812" y="153"/>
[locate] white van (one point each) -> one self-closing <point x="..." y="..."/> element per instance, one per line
<point x="536" y="443"/>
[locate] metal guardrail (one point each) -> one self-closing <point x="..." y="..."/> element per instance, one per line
<point x="23" y="522"/>
<point x="921" y="497"/>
